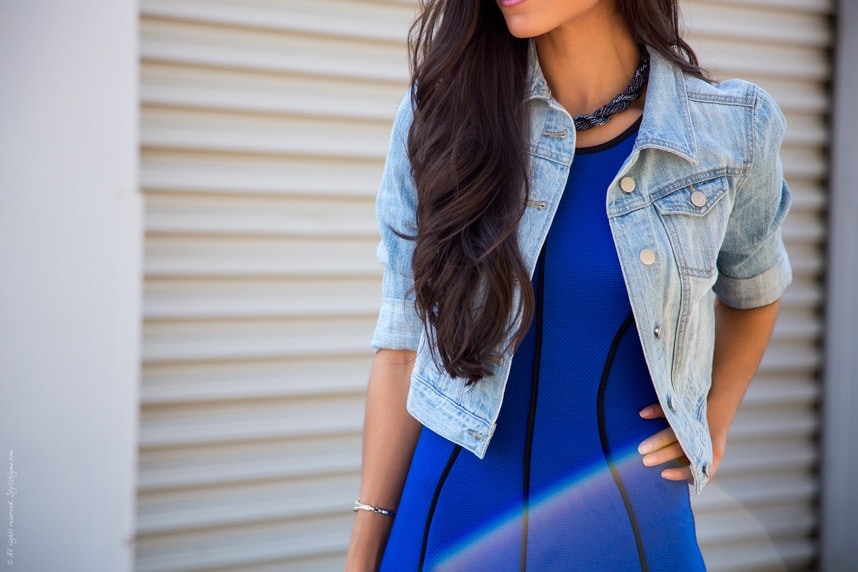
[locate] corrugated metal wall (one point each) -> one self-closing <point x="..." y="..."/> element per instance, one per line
<point x="264" y="129"/>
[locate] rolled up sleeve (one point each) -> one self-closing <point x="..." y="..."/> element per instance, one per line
<point x="398" y="325"/>
<point x="753" y="265"/>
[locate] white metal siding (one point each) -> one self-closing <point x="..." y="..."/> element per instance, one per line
<point x="264" y="125"/>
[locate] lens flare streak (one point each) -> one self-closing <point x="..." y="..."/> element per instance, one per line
<point x="584" y="491"/>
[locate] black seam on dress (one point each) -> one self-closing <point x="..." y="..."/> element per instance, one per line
<point x="431" y="514"/>
<point x="603" y="435"/>
<point x="531" y="415"/>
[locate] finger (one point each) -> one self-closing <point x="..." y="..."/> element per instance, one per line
<point x="671" y="452"/>
<point x="661" y="439"/>
<point x="653" y="411"/>
<point x="677" y="474"/>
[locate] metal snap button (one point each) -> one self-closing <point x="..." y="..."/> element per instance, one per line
<point x="657" y="331"/>
<point x="670" y="404"/>
<point x="647" y="256"/>
<point x="627" y="184"/>
<point x="707" y="470"/>
<point x="698" y="199"/>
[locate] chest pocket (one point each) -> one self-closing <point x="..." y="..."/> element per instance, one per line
<point x="695" y="218"/>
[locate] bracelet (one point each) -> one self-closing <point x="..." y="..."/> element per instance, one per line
<point x="368" y="507"/>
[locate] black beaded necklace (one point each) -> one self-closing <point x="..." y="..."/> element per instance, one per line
<point x="622" y="101"/>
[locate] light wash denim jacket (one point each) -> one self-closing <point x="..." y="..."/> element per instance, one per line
<point x="695" y="211"/>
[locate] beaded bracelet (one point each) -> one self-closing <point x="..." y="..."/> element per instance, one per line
<point x="368" y="507"/>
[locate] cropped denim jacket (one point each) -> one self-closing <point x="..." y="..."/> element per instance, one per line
<point x="695" y="211"/>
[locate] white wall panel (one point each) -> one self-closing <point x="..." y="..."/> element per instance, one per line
<point x="839" y="503"/>
<point x="70" y="261"/>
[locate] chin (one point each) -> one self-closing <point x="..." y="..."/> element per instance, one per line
<point x="523" y="27"/>
<point x="532" y="18"/>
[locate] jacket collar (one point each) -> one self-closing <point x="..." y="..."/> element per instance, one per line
<point x="666" y="122"/>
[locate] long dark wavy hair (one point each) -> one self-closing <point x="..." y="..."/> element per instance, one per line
<point x="467" y="151"/>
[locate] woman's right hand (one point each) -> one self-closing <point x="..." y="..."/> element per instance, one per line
<point x="389" y="436"/>
<point x="368" y="539"/>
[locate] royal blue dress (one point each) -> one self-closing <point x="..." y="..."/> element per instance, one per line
<point x="562" y="486"/>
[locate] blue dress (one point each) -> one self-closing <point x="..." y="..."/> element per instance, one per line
<point x="562" y="486"/>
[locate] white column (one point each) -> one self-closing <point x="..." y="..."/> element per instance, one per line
<point x="70" y="266"/>
<point x="839" y="522"/>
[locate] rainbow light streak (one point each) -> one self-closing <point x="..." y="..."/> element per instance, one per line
<point x="573" y="494"/>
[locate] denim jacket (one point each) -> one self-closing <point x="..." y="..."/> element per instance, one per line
<point x="695" y="211"/>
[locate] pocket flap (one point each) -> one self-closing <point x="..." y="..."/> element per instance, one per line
<point x="693" y="200"/>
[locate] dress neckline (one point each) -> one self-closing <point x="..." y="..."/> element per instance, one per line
<point x="632" y="129"/>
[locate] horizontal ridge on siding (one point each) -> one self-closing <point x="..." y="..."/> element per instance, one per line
<point x="263" y="50"/>
<point x="259" y="256"/>
<point x="226" y="505"/>
<point x="188" y="86"/>
<point x="199" y="382"/>
<point x="757" y="23"/>
<point x="244" y="338"/>
<point x="196" y="170"/>
<point x="307" y="217"/>
<point x="250" y="461"/>
<point x="247" y="420"/>
<point x="747" y="57"/>
<point x="183" y="298"/>
<point x="263" y="542"/>
<point x="389" y="18"/>
<point x="262" y="133"/>
<point x="814" y="7"/>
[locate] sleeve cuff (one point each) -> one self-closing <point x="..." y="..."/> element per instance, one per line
<point x="756" y="291"/>
<point x="398" y="327"/>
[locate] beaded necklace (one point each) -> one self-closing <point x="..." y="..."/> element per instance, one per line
<point x="620" y="102"/>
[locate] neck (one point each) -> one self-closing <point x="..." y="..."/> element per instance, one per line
<point x="588" y="61"/>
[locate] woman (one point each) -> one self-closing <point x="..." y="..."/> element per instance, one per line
<point x="629" y="259"/>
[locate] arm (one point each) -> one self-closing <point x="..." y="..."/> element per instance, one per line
<point x="389" y="433"/>
<point x="741" y="337"/>
<point x="389" y="437"/>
